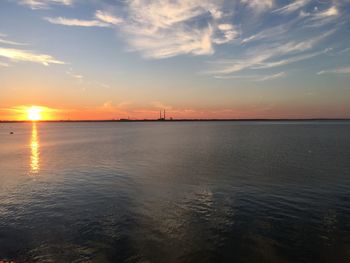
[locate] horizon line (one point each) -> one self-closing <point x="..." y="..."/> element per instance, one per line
<point x="181" y="120"/>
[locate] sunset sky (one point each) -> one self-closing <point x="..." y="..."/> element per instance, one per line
<point x="105" y="59"/>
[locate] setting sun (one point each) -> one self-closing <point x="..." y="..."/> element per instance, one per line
<point x="34" y="113"/>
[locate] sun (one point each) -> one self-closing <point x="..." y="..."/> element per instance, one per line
<point x="34" y="113"/>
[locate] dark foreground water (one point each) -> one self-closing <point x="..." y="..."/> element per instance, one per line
<point x="175" y="192"/>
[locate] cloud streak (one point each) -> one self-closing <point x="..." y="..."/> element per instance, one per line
<point x="44" y="4"/>
<point x="322" y="18"/>
<point x="9" y="42"/>
<point x="345" y="70"/>
<point x="28" y="56"/>
<point x="76" y="22"/>
<point x="292" y="7"/>
<point x="255" y="78"/>
<point x="259" y="6"/>
<point x="108" y="18"/>
<point x="290" y="60"/>
<point x="265" y="57"/>
<point x="102" y="19"/>
<point x="4" y="40"/>
<point x="273" y="76"/>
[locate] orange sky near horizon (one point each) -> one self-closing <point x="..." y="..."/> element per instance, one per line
<point x="109" y="112"/>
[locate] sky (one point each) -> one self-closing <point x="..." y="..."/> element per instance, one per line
<point x="112" y="59"/>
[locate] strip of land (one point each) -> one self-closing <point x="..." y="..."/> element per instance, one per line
<point x="179" y="120"/>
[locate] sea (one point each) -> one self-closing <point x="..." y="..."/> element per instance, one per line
<point x="229" y="191"/>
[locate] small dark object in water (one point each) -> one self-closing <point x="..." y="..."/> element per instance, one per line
<point x="11" y="132"/>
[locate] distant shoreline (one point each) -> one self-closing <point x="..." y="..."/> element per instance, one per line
<point x="180" y="120"/>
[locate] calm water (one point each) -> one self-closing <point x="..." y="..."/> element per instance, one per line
<point x="175" y="192"/>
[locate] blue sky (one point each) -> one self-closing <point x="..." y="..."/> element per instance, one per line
<point x="222" y="59"/>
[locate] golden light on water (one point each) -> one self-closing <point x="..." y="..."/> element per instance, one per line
<point x="35" y="151"/>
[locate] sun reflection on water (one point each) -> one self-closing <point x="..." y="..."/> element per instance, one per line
<point x="35" y="151"/>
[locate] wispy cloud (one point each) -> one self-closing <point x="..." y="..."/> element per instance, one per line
<point x="256" y="78"/>
<point x="292" y="7"/>
<point x="345" y="70"/>
<point x="44" y="4"/>
<point x="344" y="51"/>
<point x="28" y="56"/>
<point x="290" y="60"/>
<point x="76" y="22"/>
<point x="4" y="40"/>
<point x="9" y="42"/>
<point x="265" y="57"/>
<point x="74" y="75"/>
<point x="273" y="76"/>
<point x="108" y="18"/>
<point x="161" y="29"/>
<point x="269" y="33"/>
<point x="322" y="18"/>
<point x="331" y="12"/>
<point x="168" y="28"/>
<point x="169" y="44"/>
<point x="102" y="19"/>
<point x="259" y="5"/>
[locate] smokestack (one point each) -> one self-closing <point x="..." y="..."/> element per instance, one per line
<point x="160" y="114"/>
<point x="164" y="114"/>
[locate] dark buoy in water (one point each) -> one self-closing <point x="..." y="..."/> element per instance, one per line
<point x="11" y="132"/>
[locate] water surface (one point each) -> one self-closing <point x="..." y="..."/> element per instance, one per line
<point x="175" y="192"/>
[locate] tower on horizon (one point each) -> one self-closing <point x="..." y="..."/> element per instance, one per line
<point x="162" y="118"/>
